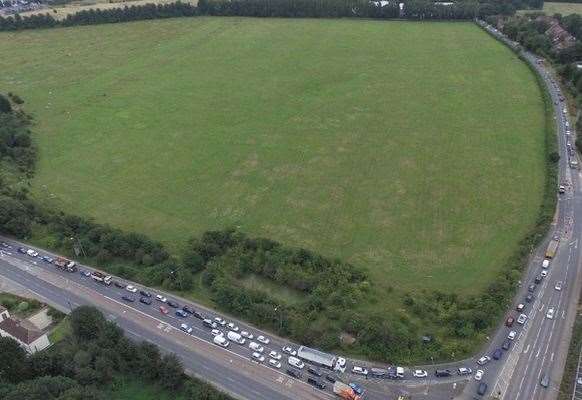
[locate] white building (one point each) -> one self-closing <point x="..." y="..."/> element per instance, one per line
<point x="31" y="340"/>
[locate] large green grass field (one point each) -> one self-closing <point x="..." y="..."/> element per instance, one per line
<point x="415" y="150"/>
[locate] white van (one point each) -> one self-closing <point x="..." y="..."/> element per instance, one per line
<point x="545" y="263"/>
<point x="297" y="363"/>
<point x="235" y="337"/>
<point x="221" y="341"/>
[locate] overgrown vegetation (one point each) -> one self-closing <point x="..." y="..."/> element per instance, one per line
<point x="19" y="306"/>
<point x="90" y="363"/>
<point x="413" y="9"/>
<point x="570" y="369"/>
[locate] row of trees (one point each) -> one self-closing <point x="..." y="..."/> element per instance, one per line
<point x="85" y="365"/>
<point x="412" y="9"/>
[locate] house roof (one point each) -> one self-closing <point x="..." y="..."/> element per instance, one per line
<point x="13" y="328"/>
<point x="2" y="308"/>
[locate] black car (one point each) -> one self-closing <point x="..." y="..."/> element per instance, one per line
<point x="442" y="373"/>
<point x="128" y="298"/>
<point x="482" y="388"/>
<point x="529" y="298"/>
<point x="145" y="294"/>
<point x="313" y="371"/>
<point x="22" y="250"/>
<point x="506" y="344"/>
<point x="497" y="354"/>
<point x="188" y="309"/>
<point x="198" y="315"/>
<point x="145" y="300"/>
<point x="531" y="288"/>
<point x="119" y="285"/>
<point x="294" y="373"/>
<point x="173" y="304"/>
<point x="538" y="279"/>
<point x="331" y="378"/>
<point x="5" y="245"/>
<point x="315" y="382"/>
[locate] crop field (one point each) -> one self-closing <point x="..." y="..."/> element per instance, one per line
<point x="415" y="150"/>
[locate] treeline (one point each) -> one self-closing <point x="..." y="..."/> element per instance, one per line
<point x="412" y="9"/>
<point x="89" y="363"/>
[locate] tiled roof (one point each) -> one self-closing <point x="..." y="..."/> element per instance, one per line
<point x="13" y="328"/>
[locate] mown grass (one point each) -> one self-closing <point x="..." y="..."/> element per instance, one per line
<point x="562" y="8"/>
<point x="413" y="149"/>
<point x="60" y="331"/>
<point x="130" y="389"/>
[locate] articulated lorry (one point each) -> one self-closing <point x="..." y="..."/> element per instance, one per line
<point x="344" y="391"/>
<point x="65" y="265"/>
<point x="101" y="278"/>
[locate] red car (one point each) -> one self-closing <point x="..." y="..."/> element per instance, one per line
<point x="509" y="322"/>
<point x="163" y="310"/>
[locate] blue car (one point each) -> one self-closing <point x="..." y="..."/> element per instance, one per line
<point x="181" y="313"/>
<point x="357" y="388"/>
<point x="47" y="259"/>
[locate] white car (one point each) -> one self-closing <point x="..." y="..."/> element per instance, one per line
<point x="550" y="313"/>
<point x="289" y="350"/>
<point x="263" y="340"/>
<point x="294" y="361"/>
<point x="131" y="288"/>
<point x="275" y="363"/>
<point x="483" y="360"/>
<point x="545" y="263"/>
<point x="247" y="335"/>
<point x="340" y="364"/>
<point x="219" y="321"/>
<point x="521" y="319"/>
<point x="274" y="355"/>
<point x="256" y="347"/>
<point x="258" y="357"/>
<point x="186" y="328"/>
<point x="512" y="335"/>
<point x="216" y="332"/>
<point x="32" y="253"/>
<point x="558" y="285"/>
<point x="359" y="370"/>
<point x="478" y="374"/>
<point x="232" y="327"/>
<point x="420" y="373"/>
<point x="161" y="298"/>
<point x="544" y="273"/>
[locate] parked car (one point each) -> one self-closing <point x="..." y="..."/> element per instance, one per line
<point x="520" y="307"/>
<point x="550" y="313"/>
<point x="274" y="363"/>
<point x="420" y="373"/>
<point x="545" y="380"/>
<point x="331" y="378"/>
<point x="521" y="319"/>
<point x="274" y="355"/>
<point x="247" y="335"/>
<point x="145" y="300"/>
<point x="340" y="364"/>
<point x="544" y="273"/>
<point x="145" y="294"/>
<point x="47" y="259"/>
<point x="442" y="373"/>
<point x="509" y="321"/>
<point x="128" y="298"/>
<point x="216" y="332"/>
<point x="263" y="339"/>
<point x="219" y="321"/>
<point x="316" y="382"/>
<point x="118" y="284"/>
<point x="479" y="375"/>
<point x="186" y="328"/>
<point x="256" y="347"/>
<point x="161" y="298"/>
<point x="163" y="310"/>
<point x="531" y="288"/>
<point x="359" y="370"/>
<point x="181" y="313"/>
<point x="483" y="360"/>
<point x="294" y="361"/>
<point x="198" y="315"/>
<point x="131" y="288"/>
<point x="512" y="335"/>
<point x="258" y="357"/>
<point x="464" y="371"/>
<point x="538" y="279"/>
<point x="314" y="371"/>
<point x="482" y="389"/>
<point x="357" y="388"/>
<point x="289" y="350"/>
<point x="173" y="304"/>
<point x="233" y="327"/>
<point x="209" y="323"/>
<point x="294" y="373"/>
<point x="506" y="344"/>
<point x="497" y="354"/>
<point x="529" y="298"/>
<point x="188" y="310"/>
<point x="558" y="285"/>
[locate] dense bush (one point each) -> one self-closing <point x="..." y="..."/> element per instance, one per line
<point x="86" y="364"/>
